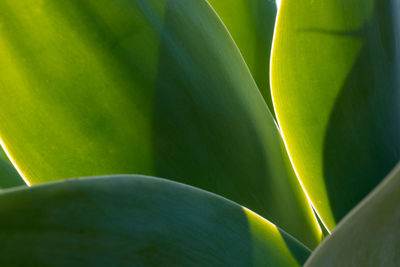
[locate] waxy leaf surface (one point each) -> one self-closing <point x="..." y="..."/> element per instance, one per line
<point x="151" y="87"/>
<point x="369" y="235"/>
<point x="335" y="83"/>
<point x="136" y="221"/>
<point x="251" y="24"/>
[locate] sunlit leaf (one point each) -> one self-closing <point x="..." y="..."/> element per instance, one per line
<point x="335" y="81"/>
<point x="150" y="87"/>
<point x="251" y="24"/>
<point x="369" y="235"/>
<point x="136" y="221"/>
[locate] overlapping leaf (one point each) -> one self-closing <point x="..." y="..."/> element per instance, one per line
<point x="251" y="24"/>
<point x="335" y="81"/>
<point x="369" y="235"/>
<point x="136" y="221"/>
<point x="149" y="87"/>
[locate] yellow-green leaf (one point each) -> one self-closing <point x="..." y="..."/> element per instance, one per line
<point x="151" y="87"/>
<point x="335" y="69"/>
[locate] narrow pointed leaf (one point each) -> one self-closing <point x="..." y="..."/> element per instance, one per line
<point x="135" y="221"/>
<point x="335" y="81"/>
<point x="151" y="87"/>
<point x="251" y="24"/>
<point x="369" y="235"/>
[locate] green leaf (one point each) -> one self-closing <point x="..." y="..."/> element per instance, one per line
<point x="147" y="87"/>
<point x="9" y="176"/>
<point x="369" y="235"/>
<point x="335" y="84"/>
<point x="136" y="221"/>
<point x="251" y="24"/>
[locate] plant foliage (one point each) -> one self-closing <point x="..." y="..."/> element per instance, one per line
<point x="292" y="114"/>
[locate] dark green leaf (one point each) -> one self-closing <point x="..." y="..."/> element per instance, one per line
<point x="9" y="176"/>
<point x="251" y="24"/>
<point x="135" y="221"/>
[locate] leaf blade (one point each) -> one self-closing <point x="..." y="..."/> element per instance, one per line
<point x="148" y="87"/>
<point x="251" y="24"/>
<point x="134" y="220"/>
<point x="368" y="235"/>
<point x="334" y="86"/>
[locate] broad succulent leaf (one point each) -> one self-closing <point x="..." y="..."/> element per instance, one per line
<point x="369" y="235"/>
<point x="335" y="82"/>
<point x="155" y="87"/>
<point x="136" y="221"/>
<point x="251" y="24"/>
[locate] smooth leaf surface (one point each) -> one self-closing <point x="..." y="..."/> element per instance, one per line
<point x="335" y="83"/>
<point x="136" y="221"/>
<point x="9" y="176"/>
<point x="147" y="87"/>
<point x="251" y="24"/>
<point x="370" y="234"/>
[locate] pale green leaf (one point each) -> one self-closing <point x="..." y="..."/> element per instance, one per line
<point x="369" y="235"/>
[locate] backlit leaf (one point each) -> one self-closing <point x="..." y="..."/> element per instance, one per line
<point x="335" y="81"/>
<point x="153" y="87"/>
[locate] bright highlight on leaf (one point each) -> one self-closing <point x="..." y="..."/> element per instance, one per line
<point x="294" y="117"/>
<point x="335" y="86"/>
<point x="278" y="3"/>
<point x="148" y="87"/>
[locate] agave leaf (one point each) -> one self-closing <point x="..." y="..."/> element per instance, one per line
<point x="369" y="235"/>
<point x="149" y="87"/>
<point x="335" y="86"/>
<point x="251" y="24"/>
<point x="9" y="176"/>
<point x="136" y="220"/>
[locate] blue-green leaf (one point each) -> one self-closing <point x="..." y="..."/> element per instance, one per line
<point x="136" y="221"/>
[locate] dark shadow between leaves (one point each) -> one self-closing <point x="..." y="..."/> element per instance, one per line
<point x="264" y="13"/>
<point x="9" y="176"/>
<point x="362" y="141"/>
